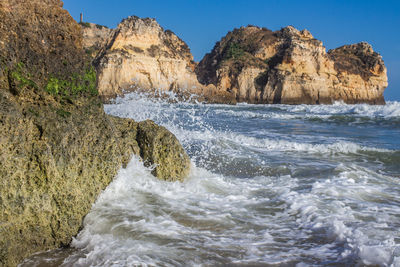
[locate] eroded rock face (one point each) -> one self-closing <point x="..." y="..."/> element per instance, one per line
<point x="95" y="37"/>
<point x="59" y="149"/>
<point x="257" y="65"/>
<point x="141" y="55"/>
<point x="159" y="147"/>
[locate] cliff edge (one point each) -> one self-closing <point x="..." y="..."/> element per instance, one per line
<point x="140" y="55"/>
<point x="289" y="66"/>
<point x="59" y="149"/>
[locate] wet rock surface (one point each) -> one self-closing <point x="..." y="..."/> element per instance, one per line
<point x="159" y="147"/>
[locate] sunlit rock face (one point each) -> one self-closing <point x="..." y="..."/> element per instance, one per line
<point x="140" y="54"/>
<point x="250" y="64"/>
<point x="288" y="66"/>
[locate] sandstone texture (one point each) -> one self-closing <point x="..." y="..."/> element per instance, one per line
<point x="249" y="64"/>
<point x="141" y="55"/>
<point x="95" y="37"/>
<point x="289" y="66"/>
<point x="59" y="149"/>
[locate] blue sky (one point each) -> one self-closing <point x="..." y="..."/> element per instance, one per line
<point x="202" y="23"/>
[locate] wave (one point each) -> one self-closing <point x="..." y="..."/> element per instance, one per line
<point x="305" y="196"/>
<point x="214" y="220"/>
<point x="188" y="122"/>
<point x="390" y="110"/>
<point x="361" y="114"/>
<point x="331" y="208"/>
<point x="342" y="147"/>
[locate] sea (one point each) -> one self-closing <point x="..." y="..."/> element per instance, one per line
<point x="270" y="185"/>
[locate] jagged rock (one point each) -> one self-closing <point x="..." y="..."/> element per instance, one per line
<point x="59" y="149"/>
<point x="159" y="147"/>
<point x="95" y="37"/>
<point x="141" y="55"/>
<point x="288" y="66"/>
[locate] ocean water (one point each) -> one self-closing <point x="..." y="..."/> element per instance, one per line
<point x="270" y="185"/>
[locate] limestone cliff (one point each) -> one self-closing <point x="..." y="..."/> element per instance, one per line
<point x="140" y="54"/>
<point x="288" y="66"/>
<point x="95" y="37"/>
<point x="59" y="149"/>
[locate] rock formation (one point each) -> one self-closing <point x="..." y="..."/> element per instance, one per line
<point x="140" y="54"/>
<point x="249" y="64"/>
<point x="288" y="66"/>
<point x="59" y="149"/>
<point x="95" y="37"/>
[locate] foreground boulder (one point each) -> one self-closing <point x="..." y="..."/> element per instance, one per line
<point x="160" y="148"/>
<point x="288" y="66"/>
<point x="59" y="149"/>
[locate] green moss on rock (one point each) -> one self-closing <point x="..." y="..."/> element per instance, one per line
<point x="59" y="149"/>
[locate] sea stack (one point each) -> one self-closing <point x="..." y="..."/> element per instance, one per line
<point x="141" y="54"/>
<point x="289" y="66"/>
<point x="250" y="64"/>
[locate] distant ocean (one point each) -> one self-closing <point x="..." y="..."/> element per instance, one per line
<point x="271" y="185"/>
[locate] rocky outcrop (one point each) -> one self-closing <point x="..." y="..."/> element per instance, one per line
<point x="59" y="149"/>
<point x="157" y="148"/>
<point x="288" y="66"/>
<point x="95" y="37"/>
<point x="141" y="55"/>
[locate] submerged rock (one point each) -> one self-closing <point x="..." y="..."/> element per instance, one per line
<point x="288" y="66"/>
<point x="59" y="149"/>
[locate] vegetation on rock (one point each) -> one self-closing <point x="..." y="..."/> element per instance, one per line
<point x="59" y="149"/>
<point x="76" y="84"/>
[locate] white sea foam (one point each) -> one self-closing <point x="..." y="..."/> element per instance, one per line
<point x="363" y="232"/>
<point x="211" y="220"/>
<point x="193" y="126"/>
<point x="390" y="110"/>
<point x="139" y="219"/>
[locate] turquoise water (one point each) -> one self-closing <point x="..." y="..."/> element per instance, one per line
<point x="271" y="185"/>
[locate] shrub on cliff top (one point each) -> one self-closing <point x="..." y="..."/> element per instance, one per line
<point x="234" y="51"/>
<point x="85" y="24"/>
